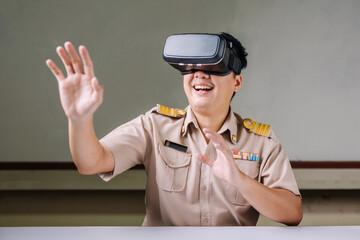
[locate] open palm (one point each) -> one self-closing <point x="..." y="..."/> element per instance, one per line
<point x="80" y="92"/>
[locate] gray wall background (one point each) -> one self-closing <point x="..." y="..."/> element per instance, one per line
<point x="302" y="77"/>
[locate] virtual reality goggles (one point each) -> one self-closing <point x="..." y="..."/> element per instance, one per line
<point x="210" y="53"/>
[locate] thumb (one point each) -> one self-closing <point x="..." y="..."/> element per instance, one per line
<point x="98" y="90"/>
<point x="95" y="84"/>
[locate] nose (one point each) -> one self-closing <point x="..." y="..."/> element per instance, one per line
<point x="201" y="74"/>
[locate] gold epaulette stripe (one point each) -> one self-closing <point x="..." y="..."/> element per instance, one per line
<point x="262" y="129"/>
<point x="171" y="112"/>
<point x="257" y="128"/>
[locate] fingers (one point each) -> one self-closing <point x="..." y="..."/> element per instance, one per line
<point x="88" y="65"/>
<point x="222" y="150"/>
<point x="216" y="138"/>
<point x="66" y="60"/>
<point x="55" y="70"/>
<point x="205" y="159"/>
<point x="76" y="62"/>
<point x="72" y="61"/>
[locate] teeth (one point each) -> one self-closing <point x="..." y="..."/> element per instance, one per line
<point x="203" y="88"/>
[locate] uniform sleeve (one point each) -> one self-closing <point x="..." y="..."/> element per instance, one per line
<point x="276" y="171"/>
<point x="129" y="144"/>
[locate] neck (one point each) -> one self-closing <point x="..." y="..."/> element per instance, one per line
<point x="210" y="119"/>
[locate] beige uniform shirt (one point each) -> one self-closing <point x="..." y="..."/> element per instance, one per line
<point x="180" y="189"/>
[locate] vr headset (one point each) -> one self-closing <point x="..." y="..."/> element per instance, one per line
<point x="210" y="53"/>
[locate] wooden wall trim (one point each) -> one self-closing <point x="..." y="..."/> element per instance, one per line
<point x="71" y="166"/>
<point x="325" y="164"/>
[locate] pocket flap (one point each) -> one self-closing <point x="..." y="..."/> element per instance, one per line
<point x="250" y="168"/>
<point x="174" y="158"/>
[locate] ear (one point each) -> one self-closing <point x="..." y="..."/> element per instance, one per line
<point x="238" y="82"/>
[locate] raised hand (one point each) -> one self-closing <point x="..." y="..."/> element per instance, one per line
<point x="80" y="91"/>
<point x="224" y="167"/>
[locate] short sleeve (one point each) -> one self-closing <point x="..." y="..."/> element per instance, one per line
<point x="129" y="144"/>
<point x="276" y="170"/>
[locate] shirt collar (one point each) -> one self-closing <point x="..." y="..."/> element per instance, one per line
<point x="189" y="118"/>
<point x="229" y="124"/>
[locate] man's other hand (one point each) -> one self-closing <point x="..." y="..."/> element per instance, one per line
<point x="224" y="167"/>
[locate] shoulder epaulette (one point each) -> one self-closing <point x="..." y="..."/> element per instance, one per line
<point x="257" y="128"/>
<point x="171" y="112"/>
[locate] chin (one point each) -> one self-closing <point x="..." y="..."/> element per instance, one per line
<point x="200" y="105"/>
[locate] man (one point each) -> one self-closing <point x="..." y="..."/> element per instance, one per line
<point x="205" y="165"/>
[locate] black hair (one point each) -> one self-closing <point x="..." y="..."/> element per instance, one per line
<point x="238" y="49"/>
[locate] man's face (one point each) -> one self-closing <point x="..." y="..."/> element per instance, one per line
<point x="207" y="92"/>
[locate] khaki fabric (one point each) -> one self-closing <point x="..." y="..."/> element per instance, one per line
<point x="180" y="189"/>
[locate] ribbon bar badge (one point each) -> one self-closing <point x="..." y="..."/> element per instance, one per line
<point x="245" y="156"/>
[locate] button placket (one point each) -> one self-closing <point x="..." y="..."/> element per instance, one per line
<point x="204" y="192"/>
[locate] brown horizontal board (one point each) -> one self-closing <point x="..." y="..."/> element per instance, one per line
<point x="71" y="166"/>
<point x="37" y="166"/>
<point x="43" y="166"/>
<point x="325" y="164"/>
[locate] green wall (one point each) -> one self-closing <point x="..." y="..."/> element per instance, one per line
<point x="302" y="77"/>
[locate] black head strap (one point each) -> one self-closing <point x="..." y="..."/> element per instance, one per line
<point x="235" y="64"/>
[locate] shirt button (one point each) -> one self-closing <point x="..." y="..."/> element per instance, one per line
<point x="206" y="219"/>
<point x="203" y="187"/>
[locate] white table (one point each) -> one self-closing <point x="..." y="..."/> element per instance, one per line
<point x="180" y="233"/>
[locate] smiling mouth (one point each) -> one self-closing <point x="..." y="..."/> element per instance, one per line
<point x="203" y="88"/>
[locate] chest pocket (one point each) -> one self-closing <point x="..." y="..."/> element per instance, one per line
<point x="232" y="194"/>
<point x="172" y="168"/>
